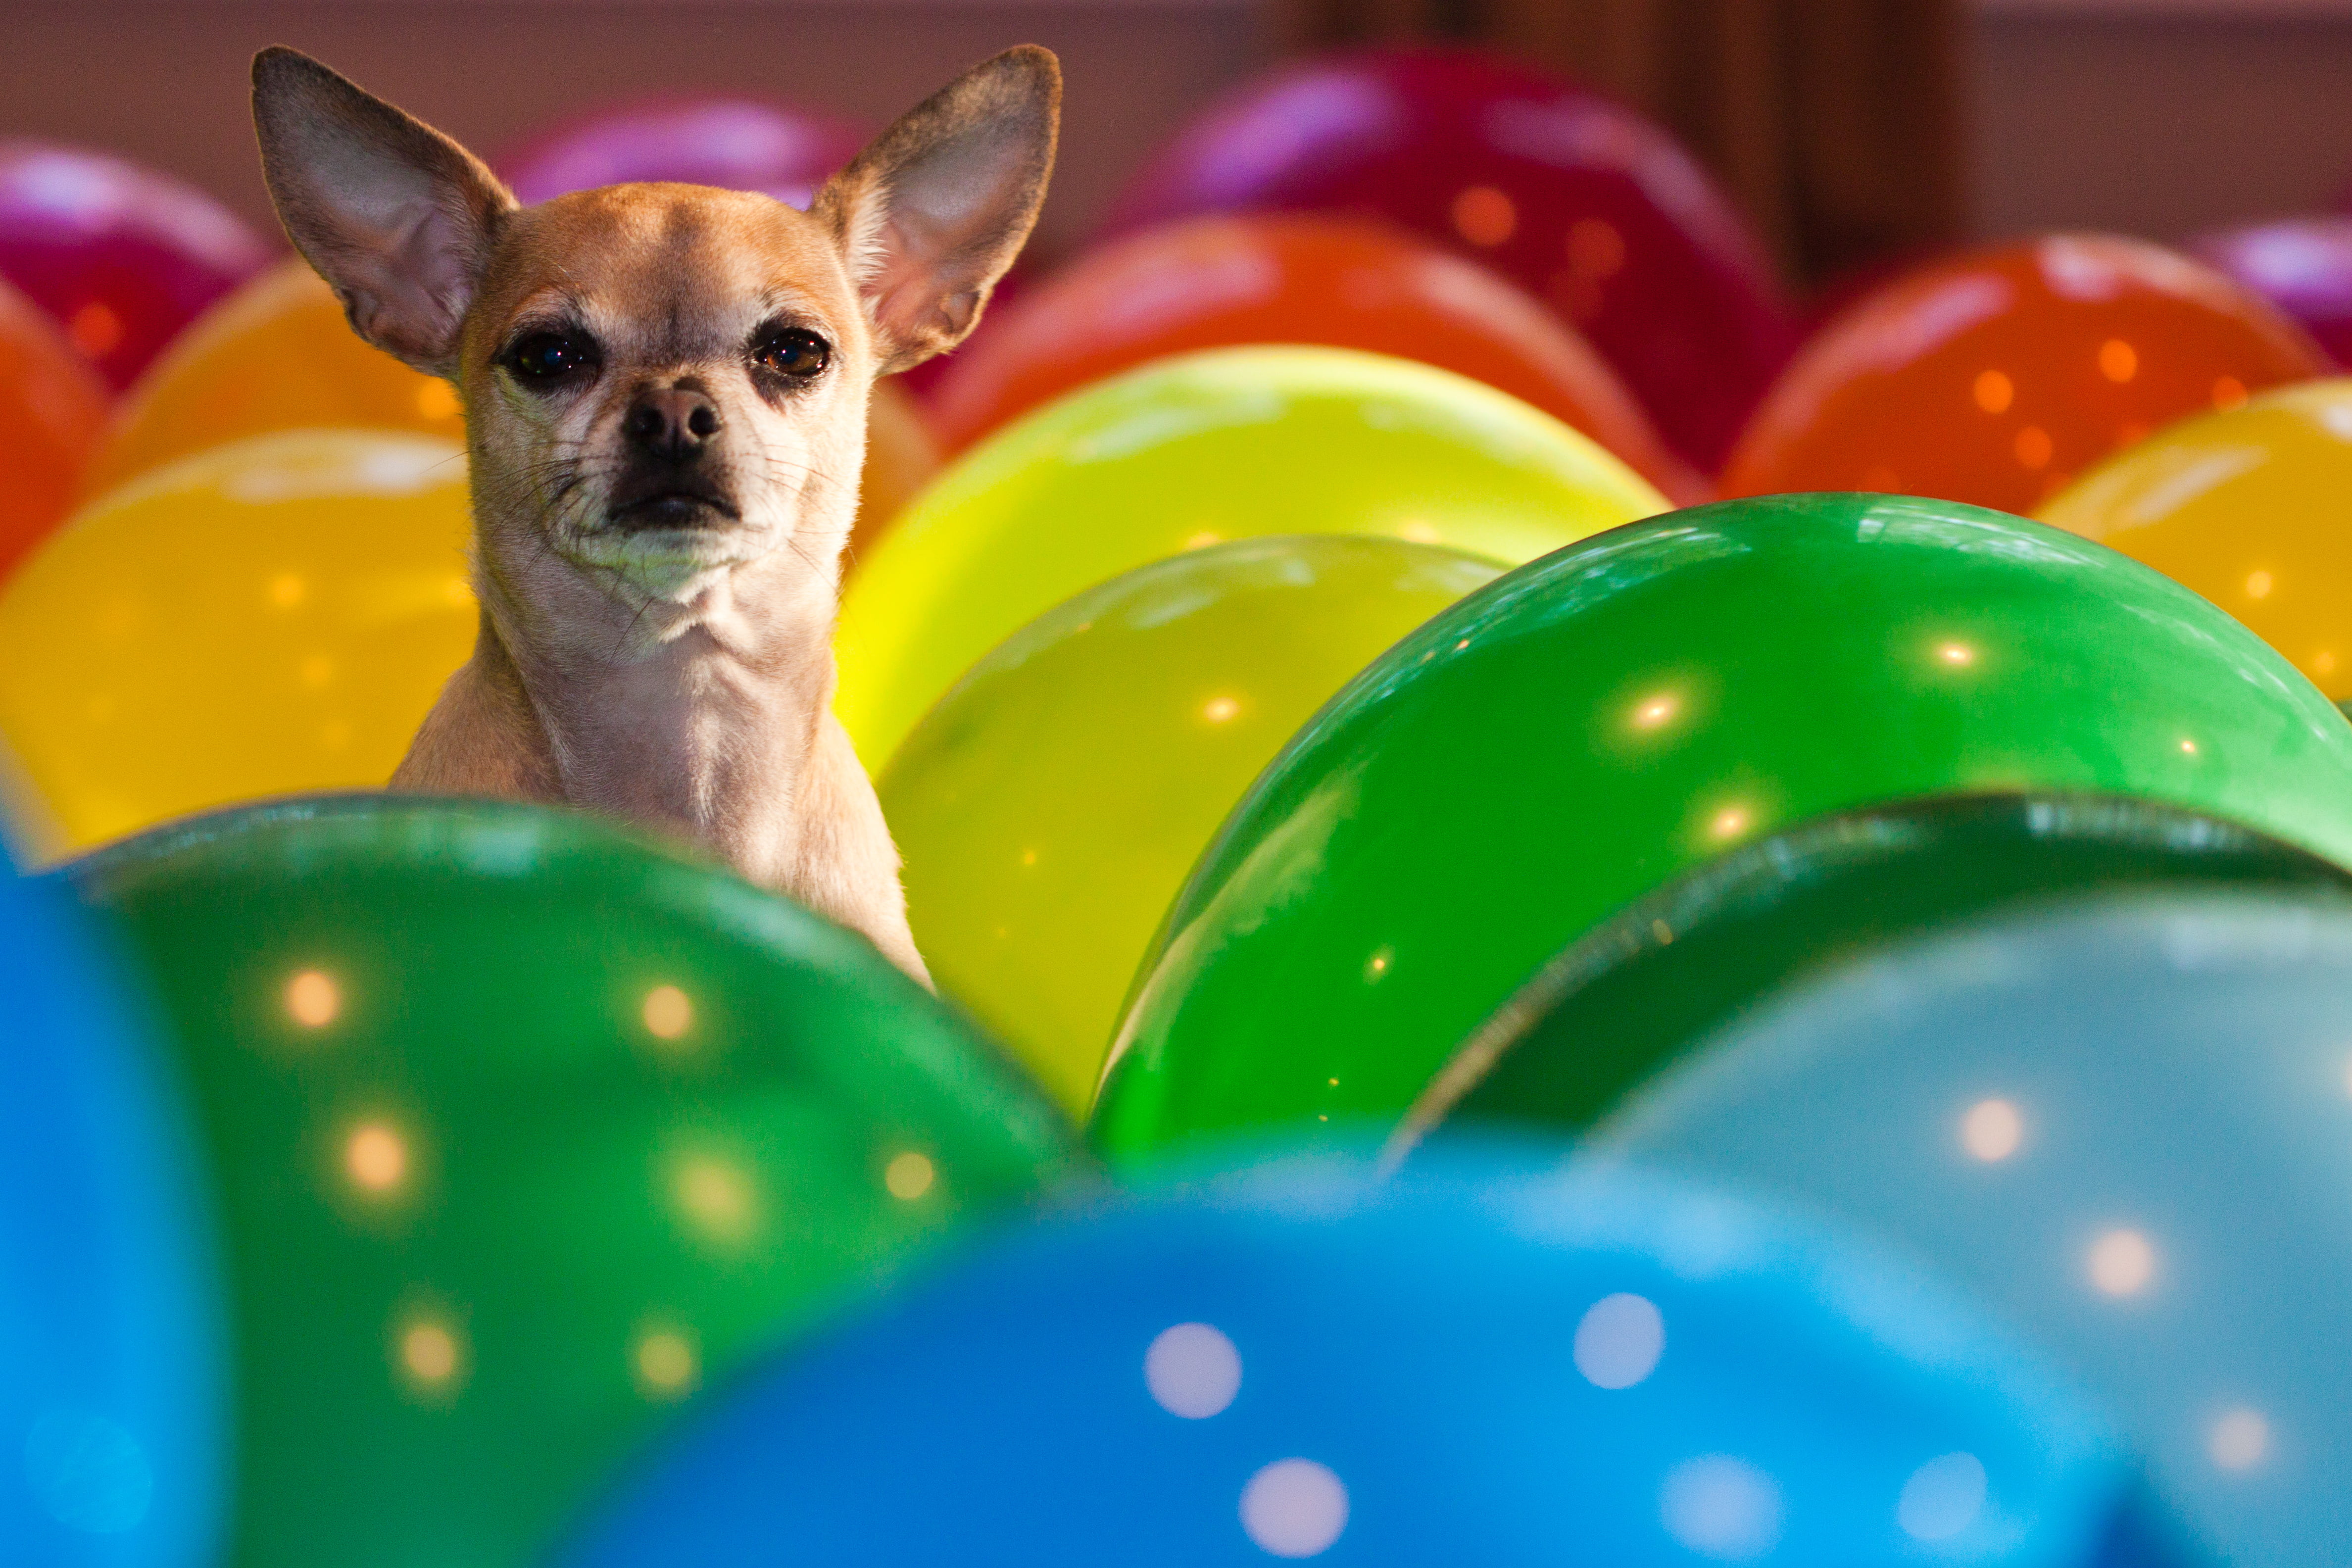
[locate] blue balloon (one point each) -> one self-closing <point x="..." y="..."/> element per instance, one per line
<point x="1478" y="1363"/>
<point x="112" y="1409"/>
<point x="2126" y="1123"/>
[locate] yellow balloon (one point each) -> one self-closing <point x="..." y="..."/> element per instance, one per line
<point x="1050" y="806"/>
<point x="277" y="355"/>
<point x="269" y="616"/>
<point x="2251" y="508"/>
<point x="1230" y="444"/>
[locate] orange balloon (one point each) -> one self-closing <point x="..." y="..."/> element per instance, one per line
<point x="277" y="355"/>
<point x="1995" y="376"/>
<point x="902" y="453"/>
<point x="52" y="406"/>
<point x="1292" y="279"/>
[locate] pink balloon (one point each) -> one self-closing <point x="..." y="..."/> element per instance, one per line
<point x="2302" y="265"/>
<point x="1578" y="199"/>
<point x="736" y="144"/>
<point x="120" y="256"/>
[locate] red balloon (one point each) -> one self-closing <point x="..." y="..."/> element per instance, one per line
<point x="1291" y="277"/>
<point x="2302" y="265"/>
<point x="52" y="406"/>
<point x="1578" y="200"/>
<point x="735" y="143"/>
<point x="121" y="256"/>
<point x="1994" y="377"/>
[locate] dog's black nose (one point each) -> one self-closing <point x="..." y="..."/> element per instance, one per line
<point x="673" y="423"/>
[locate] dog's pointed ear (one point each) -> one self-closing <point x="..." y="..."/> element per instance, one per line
<point x="396" y="216"/>
<point x="931" y="216"/>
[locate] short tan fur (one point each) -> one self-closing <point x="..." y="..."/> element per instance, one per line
<point x="665" y="394"/>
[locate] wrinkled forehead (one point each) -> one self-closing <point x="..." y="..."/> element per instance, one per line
<point x="665" y="272"/>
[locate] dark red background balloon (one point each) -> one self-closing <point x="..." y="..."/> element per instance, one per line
<point x="1578" y="199"/>
<point x="737" y="145"/>
<point x="121" y="256"/>
<point x="2302" y="265"/>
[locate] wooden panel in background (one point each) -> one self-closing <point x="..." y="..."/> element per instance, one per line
<point x="165" y="82"/>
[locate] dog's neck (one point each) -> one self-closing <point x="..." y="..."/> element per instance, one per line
<point x="693" y="705"/>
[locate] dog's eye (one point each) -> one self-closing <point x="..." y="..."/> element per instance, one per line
<point x="547" y="357"/>
<point x="792" y="351"/>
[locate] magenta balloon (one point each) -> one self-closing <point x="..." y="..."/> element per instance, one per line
<point x="736" y="144"/>
<point x="2302" y="265"/>
<point x="1578" y="199"/>
<point x="122" y="256"/>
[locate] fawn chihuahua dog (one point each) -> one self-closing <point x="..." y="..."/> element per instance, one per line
<point x="664" y="391"/>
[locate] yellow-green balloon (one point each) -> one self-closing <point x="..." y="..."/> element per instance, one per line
<point x="1051" y="803"/>
<point x="1196" y="450"/>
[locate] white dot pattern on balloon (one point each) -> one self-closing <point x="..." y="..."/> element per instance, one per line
<point x="2122" y="1262"/>
<point x="2238" y="1440"/>
<point x="1942" y="1497"/>
<point x="1192" y="1371"/>
<point x="1620" y="1340"/>
<point x="1293" y="1508"/>
<point x="1721" y="1507"/>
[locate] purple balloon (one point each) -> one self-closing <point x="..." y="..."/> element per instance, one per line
<point x="736" y="144"/>
<point x="121" y="256"/>
<point x="2302" y="265"/>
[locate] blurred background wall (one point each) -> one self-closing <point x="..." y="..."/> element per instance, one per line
<point x="1850" y="129"/>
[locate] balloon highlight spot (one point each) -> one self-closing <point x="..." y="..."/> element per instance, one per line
<point x="1193" y="1370"/>
<point x="1619" y="1341"/>
<point x="1942" y="1497"/>
<point x="666" y="1365"/>
<point x="1992" y="1130"/>
<point x="376" y="1157"/>
<point x="312" y="999"/>
<point x="909" y="1176"/>
<point x="1293" y="1508"/>
<point x="668" y="1013"/>
<point x="2240" y="1440"/>
<point x="2122" y="1262"/>
<point x="1721" y="1507"/>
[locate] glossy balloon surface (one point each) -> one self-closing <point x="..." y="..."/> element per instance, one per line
<point x="1493" y="1367"/>
<point x="2302" y="265"/>
<point x="1290" y="278"/>
<point x="1576" y="198"/>
<point x="2249" y="509"/>
<point x="524" y="1132"/>
<point x="1996" y="376"/>
<point x="121" y="256"/>
<point x="1229" y="443"/>
<point x="902" y="456"/>
<point x="113" y="1412"/>
<point x="278" y="355"/>
<point x="1644" y="987"/>
<point x="2127" y="1124"/>
<point x="1591" y="725"/>
<point x="52" y="408"/>
<point x="738" y="144"/>
<point x="269" y="616"/>
<point x="1049" y="806"/>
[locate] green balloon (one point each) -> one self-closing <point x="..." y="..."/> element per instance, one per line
<point x="521" y="1130"/>
<point x="1603" y="719"/>
<point x="1637" y="992"/>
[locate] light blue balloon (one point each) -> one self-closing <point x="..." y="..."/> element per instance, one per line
<point x="113" y="1419"/>
<point x="2127" y="1124"/>
<point x="1475" y="1364"/>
